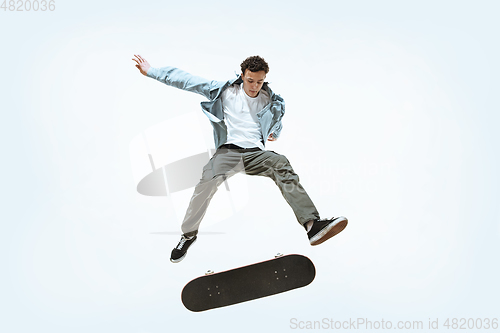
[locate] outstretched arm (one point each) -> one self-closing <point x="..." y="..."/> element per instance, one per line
<point x="180" y="79"/>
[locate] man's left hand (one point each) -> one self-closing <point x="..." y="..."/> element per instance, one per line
<point x="271" y="138"/>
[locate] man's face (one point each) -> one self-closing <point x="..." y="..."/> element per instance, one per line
<point x="252" y="82"/>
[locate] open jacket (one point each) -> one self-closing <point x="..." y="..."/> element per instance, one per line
<point x="269" y="117"/>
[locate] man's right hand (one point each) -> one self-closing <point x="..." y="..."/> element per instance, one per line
<point x="142" y="64"/>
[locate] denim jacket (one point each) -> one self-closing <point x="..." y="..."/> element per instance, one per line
<point x="269" y="117"/>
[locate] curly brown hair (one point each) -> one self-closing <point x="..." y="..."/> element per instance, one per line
<point x="254" y="64"/>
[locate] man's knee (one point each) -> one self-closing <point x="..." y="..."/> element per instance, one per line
<point x="214" y="180"/>
<point x="280" y="162"/>
<point x="277" y="164"/>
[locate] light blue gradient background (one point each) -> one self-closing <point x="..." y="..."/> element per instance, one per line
<point x="392" y="120"/>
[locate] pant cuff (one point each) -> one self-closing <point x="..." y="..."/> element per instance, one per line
<point x="191" y="233"/>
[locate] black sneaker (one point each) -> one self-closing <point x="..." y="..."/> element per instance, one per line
<point x="323" y="230"/>
<point x="180" y="250"/>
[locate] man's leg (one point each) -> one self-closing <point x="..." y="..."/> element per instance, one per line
<point x="224" y="164"/>
<point x="221" y="166"/>
<point x="203" y="193"/>
<point x="277" y="167"/>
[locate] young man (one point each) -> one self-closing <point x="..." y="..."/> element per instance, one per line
<point x="244" y="112"/>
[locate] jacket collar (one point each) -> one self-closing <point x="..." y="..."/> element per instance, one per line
<point x="265" y="86"/>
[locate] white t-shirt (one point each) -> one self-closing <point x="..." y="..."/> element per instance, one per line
<point x="240" y="114"/>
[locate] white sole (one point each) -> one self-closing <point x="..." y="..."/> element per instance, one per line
<point x="180" y="259"/>
<point x="329" y="231"/>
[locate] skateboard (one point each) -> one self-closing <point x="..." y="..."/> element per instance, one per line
<point x="215" y="290"/>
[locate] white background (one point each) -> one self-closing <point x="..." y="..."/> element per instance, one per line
<point x="391" y="120"/>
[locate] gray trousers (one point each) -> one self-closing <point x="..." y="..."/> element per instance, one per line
<point x="255" y="162"/>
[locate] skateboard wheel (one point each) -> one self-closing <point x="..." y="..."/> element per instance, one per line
<point x="209" y="272"/>
<point x="278" y="255"/>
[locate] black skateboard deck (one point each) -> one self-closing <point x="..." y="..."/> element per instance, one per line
<point x="246" y="283"/>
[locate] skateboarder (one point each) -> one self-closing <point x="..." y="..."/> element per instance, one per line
<point x="244" y="113"/>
